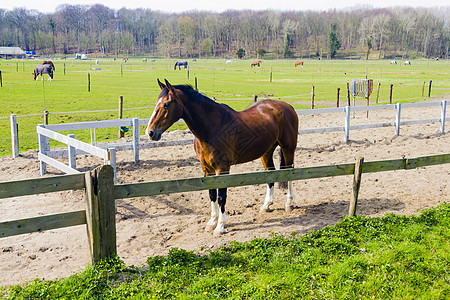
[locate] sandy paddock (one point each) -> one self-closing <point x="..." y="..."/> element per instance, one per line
<point x="148" y="226"/>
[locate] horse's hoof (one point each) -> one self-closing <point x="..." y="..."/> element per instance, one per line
<point x="264" y="209"/>
<point x="218" y="233"/>
<point x="289" y="208"/>
<point x="210" y="228"/>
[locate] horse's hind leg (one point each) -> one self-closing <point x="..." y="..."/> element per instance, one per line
<point x="267" y="160"/>
<point x="288" y="162"/>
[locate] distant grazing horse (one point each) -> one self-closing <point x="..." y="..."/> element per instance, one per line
<point x="299" y="63"/>
<point x="49" y="62"/>
<point x="225" y="137"/>
<point x="43" y="69"/>
<point x="407" y="62"/>
<point x="393" y="62"/>
<point x="255" y="64"/>
<point x="179" y="64"/>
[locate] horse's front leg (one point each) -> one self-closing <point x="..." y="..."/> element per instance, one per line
<point x="221" y="199"/>
<point x="212" y="223"/>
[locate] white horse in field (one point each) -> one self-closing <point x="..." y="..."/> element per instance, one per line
<point x="393" y="62"/>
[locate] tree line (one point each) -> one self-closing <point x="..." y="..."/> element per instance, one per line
<point x="359" y="32"/>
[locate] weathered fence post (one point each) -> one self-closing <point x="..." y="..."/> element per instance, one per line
<point x="1" y="79"/>
<point x="390" y="94"/>
<point x="429" y="89"/>
<point x="196" y="84"/>
<point x="89" y="82"/>
<point x="312" y="98"/>
<point x="356" y="186"/>
<point x="14" y="136"/>
<point x="121" y="133"/>
<point x="423" y="88"/>
<point x="100" y="213"/>
<point x="378" y="92"/>
<point x="270" y="73"/>
<point x="337" y="97"/>
<point x="64" y="68"/>
<point x="45" y="117"/>
<point x="255" y="98"/>
<point x="348" y="94"/>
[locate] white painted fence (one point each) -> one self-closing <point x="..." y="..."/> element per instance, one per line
<point x="108" y="152"/>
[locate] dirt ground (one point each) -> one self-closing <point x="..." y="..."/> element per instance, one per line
<point x="148" y="226"/>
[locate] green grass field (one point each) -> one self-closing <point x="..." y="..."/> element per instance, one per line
<point x="67" y="98"/>
<point x="394" y="257"/>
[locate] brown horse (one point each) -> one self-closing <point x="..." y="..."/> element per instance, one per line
<point x="299" y="63"/>
<point x="225" y="137"/>
<point x="49" y="62"/>
<point x="255" y="64"/>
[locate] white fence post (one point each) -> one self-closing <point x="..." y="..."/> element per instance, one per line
<point x="443" y="109"/>
<point x="14" y="136"/>
<point x="135" y="139"/>
<point x="347" y="123"/>
<point x="112" y="160"/>
<point x="42" y="140"/>
<point x="71" y="153"/>
<point x="398" y="108"/>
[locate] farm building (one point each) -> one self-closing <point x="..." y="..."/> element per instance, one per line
<point x="8" y="52"/>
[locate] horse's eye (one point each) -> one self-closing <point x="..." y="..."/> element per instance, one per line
<point x="166" y="105"/>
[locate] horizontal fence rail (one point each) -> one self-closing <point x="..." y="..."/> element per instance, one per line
<point x="234" y="180"/>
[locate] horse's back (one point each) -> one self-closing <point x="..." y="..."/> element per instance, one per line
<point x="271" y="110"/>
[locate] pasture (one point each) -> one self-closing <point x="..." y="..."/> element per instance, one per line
<point x="67" y="98"/>
<point x="149" y="226"/>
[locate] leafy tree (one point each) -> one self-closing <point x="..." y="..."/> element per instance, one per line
<point x="206" y="47"/>
<point x="261" y="53"/>
<point x="333" y="42"/>
<point x="240" y="53"/>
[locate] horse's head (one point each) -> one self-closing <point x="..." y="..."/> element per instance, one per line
<point x="168" y="110"/>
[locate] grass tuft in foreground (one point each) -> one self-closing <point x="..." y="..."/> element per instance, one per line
<point x="392" y="257"/>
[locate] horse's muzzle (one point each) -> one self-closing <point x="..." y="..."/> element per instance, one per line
<point x="154" y="135"/>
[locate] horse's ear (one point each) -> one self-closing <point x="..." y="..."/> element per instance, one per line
<point x="161" y="85"/>
<point x="169" y="86"/>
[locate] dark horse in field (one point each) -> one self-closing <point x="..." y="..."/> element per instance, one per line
<point x="181" y="63"/>
<point x="225" y="137"/>
<point x="43" y="69"/>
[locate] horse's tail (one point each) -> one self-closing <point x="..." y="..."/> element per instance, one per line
<point x="283" y="184"/>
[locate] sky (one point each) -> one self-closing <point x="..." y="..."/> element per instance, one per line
<point x="47" y="6"/>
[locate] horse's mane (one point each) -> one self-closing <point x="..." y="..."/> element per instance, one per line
<point x="193" y="95"/>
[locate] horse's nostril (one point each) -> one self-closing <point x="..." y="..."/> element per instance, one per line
<point x="151" y="133"/>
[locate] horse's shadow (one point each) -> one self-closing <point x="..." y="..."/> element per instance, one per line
<point x="135" y="213"/>
<point x="317" y="216"/>
<point x="158" y="163"/>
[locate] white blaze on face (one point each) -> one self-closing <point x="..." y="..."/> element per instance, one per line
<point x="153" y="115"/>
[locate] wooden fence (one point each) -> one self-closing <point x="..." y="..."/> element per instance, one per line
<point x="101" y="193"/>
